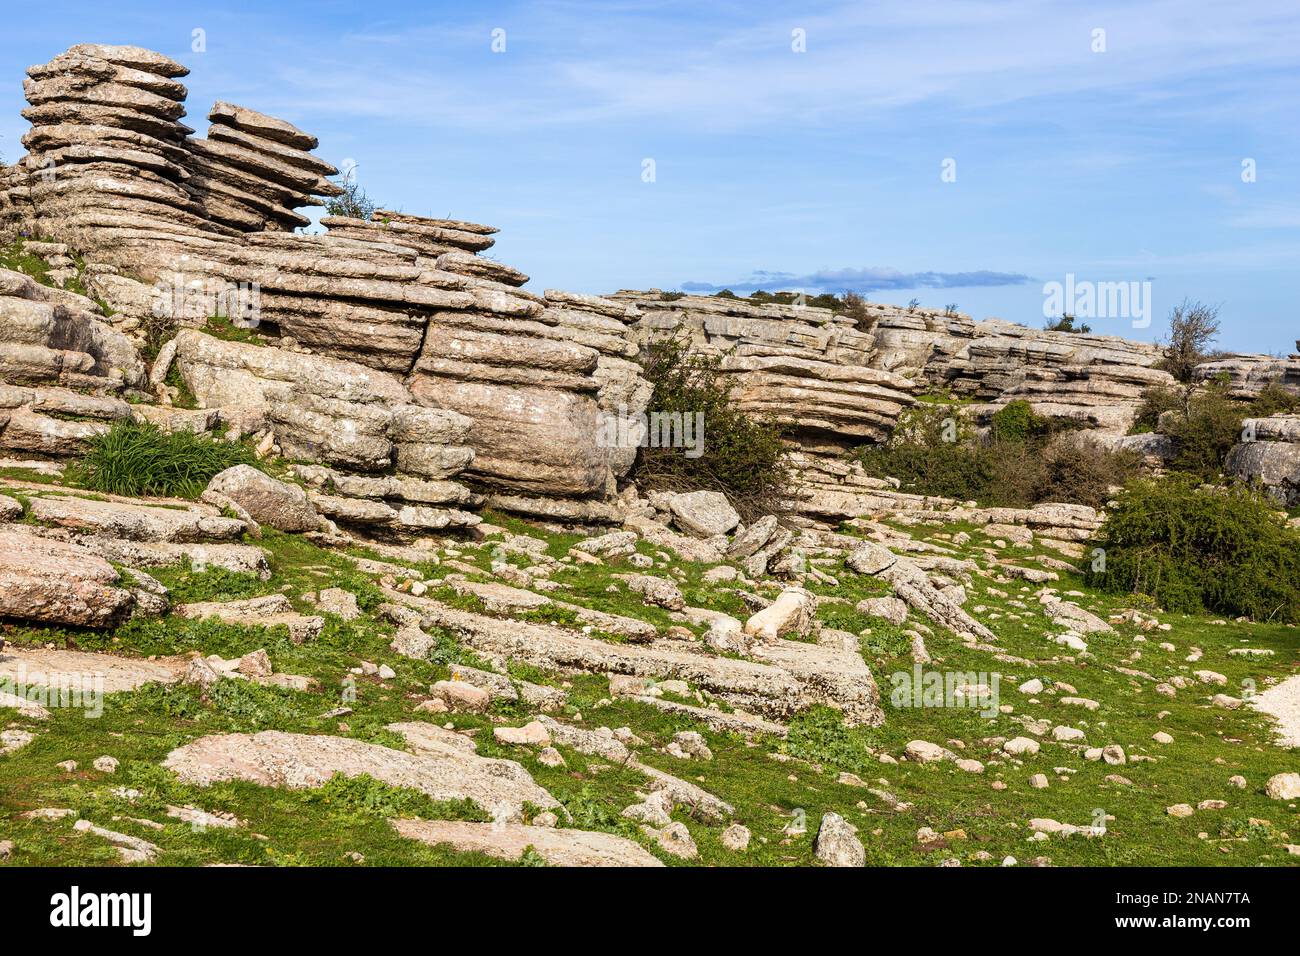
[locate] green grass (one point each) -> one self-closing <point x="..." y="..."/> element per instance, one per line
<point x="141" y="459"/>
<point x="775" y="785"/>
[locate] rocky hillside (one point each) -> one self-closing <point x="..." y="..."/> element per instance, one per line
<point x="419" y="613"/>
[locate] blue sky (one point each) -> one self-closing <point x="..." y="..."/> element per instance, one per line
<point x="819" y="169"/>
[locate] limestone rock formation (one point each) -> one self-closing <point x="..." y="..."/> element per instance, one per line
<point x="1271" y="458"/>
<point x="805" y="367"/>
<point x="63" y="369"/>
<point x="1096" y="380"/>
<point x="1248" y="374"/>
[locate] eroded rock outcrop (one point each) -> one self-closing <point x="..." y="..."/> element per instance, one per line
<point x="1096" y="380"/>
<point x="1271" y="458"/>
<point x="807" y="368"/>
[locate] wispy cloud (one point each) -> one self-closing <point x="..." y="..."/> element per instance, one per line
<point x="870" y="279"/>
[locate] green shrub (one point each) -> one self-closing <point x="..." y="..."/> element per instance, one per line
<point x="1023" y="463"/>
<point x="742" y="456"/>
<point x="1017" y="422"/>
<point x="1195" y="548"/>
<point x="353" y="203"/>
<point x="1206" y="421"/>
<point x="135" y="458"/>
<point x="1066" y="324"/>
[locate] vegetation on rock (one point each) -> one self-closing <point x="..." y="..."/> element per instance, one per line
<point x="742" y="455"/>
<point x="1026" y="460"/>
<point x="134" y="458"/>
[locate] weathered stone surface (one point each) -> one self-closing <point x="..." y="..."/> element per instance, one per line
<point x="297" y="761"/>
<point x="271" y="611"/>
<point x="56" y="583"/>
<point x="836" y="843"/>
<point x="805" y="367"/>
<point x="134" y="521"/>
<point x="1271" y="458"/>
<point x="39" y="667"/>
<point x="792" y="677"/>
<point x="1097" y="380"/>
<point x="791" y="614"/>
<point x="274" y="503"/>
<point x="703" y="513"/>
<point x="509" y="841"/>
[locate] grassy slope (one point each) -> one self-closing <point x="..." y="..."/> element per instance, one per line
<point x="773" y="785"/>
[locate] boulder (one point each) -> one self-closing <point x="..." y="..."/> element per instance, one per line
<point x="276" y="504"/>
<point x="703" y="514"/>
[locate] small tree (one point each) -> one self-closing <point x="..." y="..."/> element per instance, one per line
<point x="855" y="307"/>
<point x="1192" y="327"/>
<point x="354" y="203"/>
<point x="742" y="455"/>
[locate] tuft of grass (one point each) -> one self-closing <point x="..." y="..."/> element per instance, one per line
<point x="135" y="458"/>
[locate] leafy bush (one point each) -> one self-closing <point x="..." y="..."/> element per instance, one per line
<point x="353" y="204"/>
<point x="855" y="307"/>
<point x="819" y="735"/>
<point x="1066" y="324"/>
<point x="135" y="458"/>
<point x="1195" y="548"/>
<point x="1206" y="422"/>
<point x="1024" y="462"/>
<point x="1017" y="422"/>
<point x="742" y="456"/>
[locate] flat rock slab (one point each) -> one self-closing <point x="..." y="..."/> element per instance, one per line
<point x="53" y="669"/>
<point x="509" y="841"/>
<point x="792" y="678"/>
<point x="135" y="522"/>
<point x="273" y="758"/>
<point x="268" y="611"/>
<point x="1282" y="701"/>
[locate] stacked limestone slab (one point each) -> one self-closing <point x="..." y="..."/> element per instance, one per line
<point x="408" y="297"/>
<point x="253" y="171"/>
<point x="532" y="395"/>
<point x="64" y="373"/>
<point x="384" y="460"/>
<point x="807" y="368"/>
<point x="1097" y="380"/>
<point x="1271" y="458"/>
<point x="108" y="161"/>
<point x="1248" y="374"/>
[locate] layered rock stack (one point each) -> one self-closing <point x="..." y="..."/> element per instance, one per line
<point x="1096" y="380"/>
<point x="64" y="373"/>
<point x="108" y="162"/>
<point x="533" y="396"/>
<point x="1249" y="374"/>
<point x="253" y="171"/>
<point x="805" y="367"/>
<point x="385" y="460"/>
